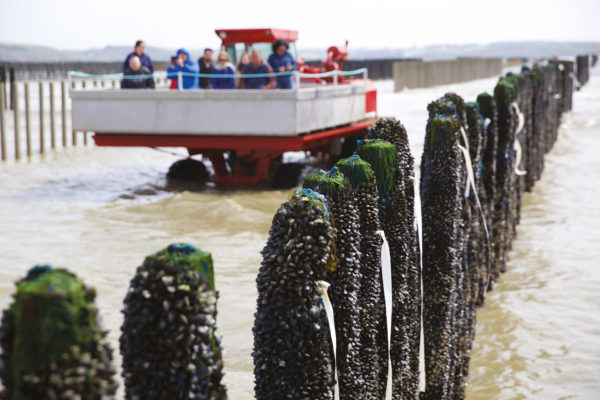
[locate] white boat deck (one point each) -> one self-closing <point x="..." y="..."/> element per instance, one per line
<point x="217" y="112"/>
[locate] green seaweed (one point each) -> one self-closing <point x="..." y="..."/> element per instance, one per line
<point x="357" y="170"/>
<point x="505" y="91"/>
<point x="442" y="131"/>
<point x="53" y="311"/>
<point x="188" y="257"/>
<point x="485" y="101"/>
<point x="332" y="184"/>
<point x="383" y="158"/>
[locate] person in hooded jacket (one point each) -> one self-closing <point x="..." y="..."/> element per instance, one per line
<point x="282" y="61"/>
<point x="185" y="64"/>
<point x="223" y="67"/>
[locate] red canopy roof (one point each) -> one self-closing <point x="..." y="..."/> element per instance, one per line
<point x="229" y="36"/>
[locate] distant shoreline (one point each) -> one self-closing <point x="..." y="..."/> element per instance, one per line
<point x="541" y="49"/>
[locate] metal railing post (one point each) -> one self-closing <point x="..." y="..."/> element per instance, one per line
<point x="2" y="126"/>
<point x="15" y="103"/>
<point x="63" y="88"/>
<point x="179" y="81"/>
<point x="73" y="133"/>
<point x="335" y="77"/>
<point x="27" y="122"/>
<point x="42" y="137"/>
<point x="52" y="111"/>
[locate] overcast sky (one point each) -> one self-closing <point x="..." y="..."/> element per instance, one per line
<point x="84" y="24"/>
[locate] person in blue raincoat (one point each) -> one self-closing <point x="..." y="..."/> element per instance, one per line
<point x="282" y="61"/>
<point x="184" y="63"/>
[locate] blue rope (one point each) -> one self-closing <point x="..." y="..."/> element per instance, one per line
<point x="173" y="75"/>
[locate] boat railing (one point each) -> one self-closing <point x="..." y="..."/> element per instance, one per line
<point x="323" y="77"/>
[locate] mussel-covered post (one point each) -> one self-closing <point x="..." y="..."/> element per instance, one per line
<point x="52" y="344"/>
<point x="478" y="257"/>
<point x="344" y="275"/>
<point x="383" y="157"/>
<point x="568" y="84"/>
<point x="293" y="353"/>
<point x="168" y="341"/>
<point x="583" y="69"/>
<point x="406" y="246"/>
<point x="504" y="95"/>
<point x="373" y="335"/>
<point x="453" y="106"/>
<point x="441" y="190"/>
<point x="487" y="107"/>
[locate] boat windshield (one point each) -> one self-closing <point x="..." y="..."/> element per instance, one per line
<point x="236" y="50"/>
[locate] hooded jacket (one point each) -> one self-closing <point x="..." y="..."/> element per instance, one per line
<point x="189" y="67"/>
<point x="276" y="61"/>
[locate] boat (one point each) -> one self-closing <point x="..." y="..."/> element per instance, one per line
<point x="243" y="132"/>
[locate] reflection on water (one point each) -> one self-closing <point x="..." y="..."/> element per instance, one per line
<point x="100" y="211"/>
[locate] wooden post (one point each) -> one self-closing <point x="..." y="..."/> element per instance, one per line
<point x="3" y="88"/>
<point x="2" y="126"/>
<point x="11" y="87"/>
<point x="63" y="87"/>
<point x="15" y="102"/>
<point x="42" y="138"/>
<point x="73" y="133"/>
<point x="27" y="122"/>
<point x="52" y="111"/>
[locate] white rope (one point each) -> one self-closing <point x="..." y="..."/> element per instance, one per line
<point x="517" y="144"/>
<point x="419" y="223"/>
<point x="575" y="80"/>
<point x="329" y="311"/>
<point x="386" y="276"/>
<point x="471" y="182"/>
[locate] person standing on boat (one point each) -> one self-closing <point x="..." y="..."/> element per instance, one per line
<point x="188" y="67"/>
<point x="206" y="67"/>
<point x="137" y="76"/>
<point x="223" y="67"/>
<point x="282" y="61"/>
<point x="259" y="67"/>
<point x="239" y="69"/>
<point x="139" y="51"/>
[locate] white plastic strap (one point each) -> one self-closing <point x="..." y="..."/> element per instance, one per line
<point x="469" y="164"/>
<point x="386" y="273"/>
<point x="486" y="123"/>
<point x="419" y="222"/>
<point x="386" y="276"/>
<point x="519" y="155"/>
<point x="471" y="182"/>
<point x="329" y="311"/>
<point x="575" y="81"/>
<point x="517" y="145"/>
<point x="520" y="115"/>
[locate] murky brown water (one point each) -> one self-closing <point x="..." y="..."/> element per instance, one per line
<point x="99" y="211"/>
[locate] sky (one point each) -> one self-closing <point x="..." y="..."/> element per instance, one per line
<point x="86" y="24"/>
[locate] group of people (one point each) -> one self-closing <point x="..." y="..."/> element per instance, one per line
<point x="138" y="69"/>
